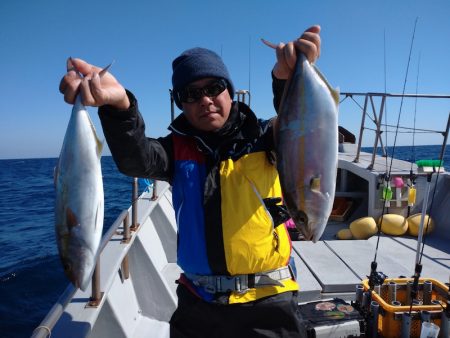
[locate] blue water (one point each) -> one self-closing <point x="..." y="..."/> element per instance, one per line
<point x="31" y="277"/>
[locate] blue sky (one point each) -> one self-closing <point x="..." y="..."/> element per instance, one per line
<point x="143" y="37"/>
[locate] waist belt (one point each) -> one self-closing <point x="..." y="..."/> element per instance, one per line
<point x="240" y="283"/>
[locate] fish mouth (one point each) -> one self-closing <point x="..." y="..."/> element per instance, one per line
<point x="311" y="229"/>
<point x="71" y="273"/>
<point x="301" y="223"/>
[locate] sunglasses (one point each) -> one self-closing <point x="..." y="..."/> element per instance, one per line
<point x="192" y="94"/>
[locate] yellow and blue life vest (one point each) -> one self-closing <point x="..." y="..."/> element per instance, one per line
<point x="224" y="227"/>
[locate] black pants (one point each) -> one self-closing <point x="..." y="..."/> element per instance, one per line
<point x="275" y="316"/>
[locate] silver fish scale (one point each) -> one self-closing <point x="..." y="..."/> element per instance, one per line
<point x="307" y="148"/>
<point x="79" y="207"/>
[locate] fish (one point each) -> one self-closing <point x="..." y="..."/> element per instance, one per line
<point x="79" y="202"/>
<point x="307" y="148"/>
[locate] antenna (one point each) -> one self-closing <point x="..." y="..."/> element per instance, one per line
<point x="249" y="62"/>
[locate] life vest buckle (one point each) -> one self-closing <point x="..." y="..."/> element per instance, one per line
<point x="241" y="283"/>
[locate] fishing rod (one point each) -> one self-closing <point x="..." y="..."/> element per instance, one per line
<point x="375" y="277"/>
<point x="412" y="177"/>
<point x="423" y="232"/>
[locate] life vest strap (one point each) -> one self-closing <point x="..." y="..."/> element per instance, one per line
<point x="241" y="283"/>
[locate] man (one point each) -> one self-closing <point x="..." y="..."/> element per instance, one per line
<point x="231" y="246"/>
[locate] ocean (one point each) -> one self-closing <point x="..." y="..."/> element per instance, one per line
<point x="31" y="276"/>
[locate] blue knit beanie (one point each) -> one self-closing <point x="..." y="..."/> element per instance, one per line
<point x="194" y="64"/>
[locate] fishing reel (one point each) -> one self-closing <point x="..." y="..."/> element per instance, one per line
<point x="412" y="178"/>
<point x="376" y="277"/>
<point x="380" y="180"/>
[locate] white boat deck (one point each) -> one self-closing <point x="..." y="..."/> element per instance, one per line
<point x="333" y="266"/>
<point x="337" y="266"/>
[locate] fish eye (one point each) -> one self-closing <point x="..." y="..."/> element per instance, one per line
<point x="302" y="217"/>
<point x="67" y="267"/>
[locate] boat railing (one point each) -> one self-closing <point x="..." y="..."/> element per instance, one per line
<point x="46" y="326"/>
<point x="244" y="96"/>
<point x="369" y="105"/>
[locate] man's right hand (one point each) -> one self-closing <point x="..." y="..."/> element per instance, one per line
<point x="83" y="78"/>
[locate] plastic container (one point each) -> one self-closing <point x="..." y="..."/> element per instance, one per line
<point x="390" y="319"/>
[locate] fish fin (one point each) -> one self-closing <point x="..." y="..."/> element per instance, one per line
<point x="69" y="64"/>
<point x="71" y="218"/>
<point x="99" y="147"/>
<point x="314" y="184"/>
<point x="97" y="220"/>
<point x="98" y="142"/>
<point x="334" y="91"/>
<point x="105" y="70"/>
<point x="269" y="44"/>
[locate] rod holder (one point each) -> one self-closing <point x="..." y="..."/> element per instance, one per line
<point x="392" y="292"/>
<point x="359" y="295"/>
<point x="366" y="300"/>
<point x="425" y="316"/>
<point x="445" y="325"/>
<point x="374" y="311"/>
<point x="406" y="325"/>
<point x="377" y="289"/>
<point x="409" y="286"/>
<point x="427" y="292"/>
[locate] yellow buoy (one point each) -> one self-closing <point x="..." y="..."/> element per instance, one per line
<point x="393" y="224"/>
<point x="363" y="228"/>
<point x="344" y="234"/>
<point x="414" y="224"/>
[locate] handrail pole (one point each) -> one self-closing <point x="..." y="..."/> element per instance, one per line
<point x="377" y="132"/>
<point x="47" y="324"/>
<point x="382" y="110"/>
<point x="361" y="130"/>
<point x="427" y="96"/>
<point x="96" y="295"/>
<point x="379" y="122"/>
<point x="126" y="230"/>
<point x="155" y="191"/>
<point x="134" y="205"/>
<point x="445" y="134"/>
<point x="125" y="267"/>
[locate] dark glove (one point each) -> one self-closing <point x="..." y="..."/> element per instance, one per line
<point x="278" y="212"/>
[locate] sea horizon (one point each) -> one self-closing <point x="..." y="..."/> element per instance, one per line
<point x="110" y="155"/>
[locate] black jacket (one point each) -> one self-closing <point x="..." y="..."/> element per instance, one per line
<point x="139" y="156"/>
